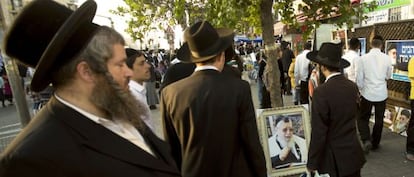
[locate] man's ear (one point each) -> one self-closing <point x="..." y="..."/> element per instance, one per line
<point x="84" y="71"/>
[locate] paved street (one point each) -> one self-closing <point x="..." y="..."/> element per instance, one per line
<point x="388" y="161"/>
<point x="9" y="125"/>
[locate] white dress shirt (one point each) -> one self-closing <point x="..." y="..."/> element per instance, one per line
<point x="302" y="67"/>
<point x="372" y="71"/>
<point x="199" y="68"/>
<point x="351" y="56"/>
<point x="121" y="128"/>
<point x="140" y="94"/>
<point x="332" y="75"/>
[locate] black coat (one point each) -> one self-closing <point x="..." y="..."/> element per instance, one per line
<point x="177" y="72"/>
<point x="210" y="124"/>
<point x="334" y="146"/>
<point x="60" y="142"/>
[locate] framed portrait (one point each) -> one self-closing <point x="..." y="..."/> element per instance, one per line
<point x="389" y="115"/>
<point x="363" y="49"/>
<point x="400" y="124"/>
<point x="340" y="35"/>
<point x="285" y="136"/>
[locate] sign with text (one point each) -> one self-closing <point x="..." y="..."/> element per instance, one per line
<point x="376" y="17"/>
<point x="400" y="51"/>
<point x="386" y="4"/>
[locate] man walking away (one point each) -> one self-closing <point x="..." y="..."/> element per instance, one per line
<point x="302" y="73"/>
<point x="209" y="117"/>
<point x="351" y="56"/>
<point x="373" y="71"/>
<point x="334" y="146"/>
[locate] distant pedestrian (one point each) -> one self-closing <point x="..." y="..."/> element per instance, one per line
<point x="150" y="86"/>
<point x="314" y="79"/>
<point x="372" y="72"/>
<point x="302" y="73"/>
<point x="295" y="86"/>
<point x="334" y="146"/>
<point x="264" y="94"/>
<point x="2" y="91"/>
<point x="8" y="94"/>
<point x="410" y="128"/>
<point x="351" y="56"/>
<point x="1" y="64"/>
<point x="287" y="57"/>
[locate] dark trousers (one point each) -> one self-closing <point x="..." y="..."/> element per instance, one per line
<point x="363" y="121"/>
<point x="288" y="85"/>
<point x="410" y="131"/>
<point x="356" y="174"/>
<point x="2" y="97"/>
<point x="265" y="102"/>
<point x="304" y="92"/>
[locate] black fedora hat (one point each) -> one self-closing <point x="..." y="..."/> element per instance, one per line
<point x="204" y="42"/>
<point x="45" y="35"/>
<point x="329" y="54"/>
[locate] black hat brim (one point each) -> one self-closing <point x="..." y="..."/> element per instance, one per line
<point x="313" y="56"/>
<point x="42" y="77"/>
<point x="226" y="38"/>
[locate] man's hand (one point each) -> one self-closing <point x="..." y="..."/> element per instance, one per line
<point x="284" y="153"/>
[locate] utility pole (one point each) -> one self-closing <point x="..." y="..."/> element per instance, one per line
<point x="16" y="83"/>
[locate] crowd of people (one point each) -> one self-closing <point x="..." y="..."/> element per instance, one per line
<point x="98" y="122"/>
<point x="5" y="88"/>
<point x="341" y="91"/>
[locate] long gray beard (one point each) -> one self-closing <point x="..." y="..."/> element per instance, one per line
<point x="116" y="103"/>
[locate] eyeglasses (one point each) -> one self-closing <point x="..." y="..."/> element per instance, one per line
<point x="287" y="129"/>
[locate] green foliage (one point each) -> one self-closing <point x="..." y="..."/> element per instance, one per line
<point x="242" y="15"/>
<point x="316" y="12"/>
<point x="145" y="15"/>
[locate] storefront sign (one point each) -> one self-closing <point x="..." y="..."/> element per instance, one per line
<point x="400" y="51"/>
<point x="386" y="4"/>
<point x="376" y="17"/>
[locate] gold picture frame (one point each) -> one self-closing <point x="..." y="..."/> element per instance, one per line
<point x="272" y="124"/>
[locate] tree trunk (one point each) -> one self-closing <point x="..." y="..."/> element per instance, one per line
<point x="272" y="56"/>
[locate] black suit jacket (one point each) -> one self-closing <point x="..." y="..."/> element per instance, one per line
<point x="210" y="124"/>
<point x="334" y="146"/>
<point x="177" y="72"/>
<point x="62" y="142"/>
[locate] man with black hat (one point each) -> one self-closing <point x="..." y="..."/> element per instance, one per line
<point x="334" y="146"/>
<point x="91" y="126"/>
<point x="372" y="72"/>
<point x="209" y="117"/>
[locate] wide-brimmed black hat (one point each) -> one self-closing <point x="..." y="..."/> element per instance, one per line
<point x="204" y="42"/>
<point x="329" y="54"/>
<point x="46" y="35"/>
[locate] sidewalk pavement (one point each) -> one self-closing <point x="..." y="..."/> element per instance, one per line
<point x="387" y="161"/>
